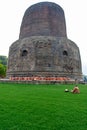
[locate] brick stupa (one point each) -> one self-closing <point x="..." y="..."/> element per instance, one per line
<point x="43" y="49"/>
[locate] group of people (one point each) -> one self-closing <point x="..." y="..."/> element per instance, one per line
<point x="74" y="90"/>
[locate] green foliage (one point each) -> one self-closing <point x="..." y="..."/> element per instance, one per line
<point x="2" y="70"/>
<point x="3" y="60"/>
<point x="42" y="107"/>
<point x="3" y="66"/>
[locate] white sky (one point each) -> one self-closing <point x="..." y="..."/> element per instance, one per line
<point x="12" y="11"/>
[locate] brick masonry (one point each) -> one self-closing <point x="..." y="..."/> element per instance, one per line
<point x="43" y="49"/>
<point x="44" y="56"/>
<point x="45" y="19"/>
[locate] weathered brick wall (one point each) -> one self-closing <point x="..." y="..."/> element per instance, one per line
<point x="43" y="48"/>
<point x="45" y="19"/>
<point x="44" y="56"/>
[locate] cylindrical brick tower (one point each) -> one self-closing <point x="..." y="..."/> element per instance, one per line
<point x="43" y="49"/>
<point x="43" y="19"/>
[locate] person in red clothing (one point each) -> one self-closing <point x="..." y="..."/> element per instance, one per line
<point x="75" y="89"/>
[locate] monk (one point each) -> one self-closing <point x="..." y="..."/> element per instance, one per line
<point x="76" y="89"/>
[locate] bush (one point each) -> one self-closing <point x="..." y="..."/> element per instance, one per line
<point x="2" y="70"/>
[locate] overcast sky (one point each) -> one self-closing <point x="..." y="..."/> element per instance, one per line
<point x="12" y="11"/>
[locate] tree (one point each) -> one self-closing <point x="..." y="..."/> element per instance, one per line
<point x="2" y="70"/>
<point x="3" y="66"/>
<point x="3" y="60"/>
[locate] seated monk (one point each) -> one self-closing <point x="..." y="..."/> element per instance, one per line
<point x="76" y="90"/>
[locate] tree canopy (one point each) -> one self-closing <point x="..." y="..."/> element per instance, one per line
<point x="3" y="66"/>
<point x="3" y="60"/>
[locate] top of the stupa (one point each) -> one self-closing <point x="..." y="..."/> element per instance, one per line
<point x="43" y="19"/>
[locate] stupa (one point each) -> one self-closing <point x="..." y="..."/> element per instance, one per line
<point x="43" y="49"/>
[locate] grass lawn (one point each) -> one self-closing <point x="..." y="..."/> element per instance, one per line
<point x="42" y="107"/>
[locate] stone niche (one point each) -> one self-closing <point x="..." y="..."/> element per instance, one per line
<point x="43" y="49"/>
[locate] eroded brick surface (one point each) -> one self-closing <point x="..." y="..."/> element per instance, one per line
<point x="45" y="19"/>
<point x="43" y="49"/>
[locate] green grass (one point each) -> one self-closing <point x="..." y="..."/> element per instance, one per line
<point x="42" y="107"/>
